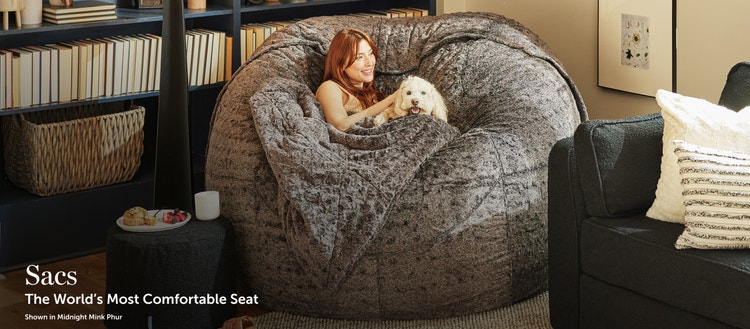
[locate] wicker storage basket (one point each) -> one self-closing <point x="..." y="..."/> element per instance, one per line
<point x="72" y="149"/>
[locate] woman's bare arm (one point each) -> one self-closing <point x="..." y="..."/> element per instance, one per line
<point x="331" y="99"/>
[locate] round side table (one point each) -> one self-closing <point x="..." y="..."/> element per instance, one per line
<point x="194" y="259"/>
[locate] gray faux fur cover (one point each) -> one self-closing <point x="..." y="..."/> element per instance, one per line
<point x="413" y="219"/>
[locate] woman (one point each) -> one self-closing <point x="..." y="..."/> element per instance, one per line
<point x="347" y="93"/>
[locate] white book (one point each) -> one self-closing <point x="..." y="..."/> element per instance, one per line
<point x="126" y="61"/>
<point x="215" y="57"/>
<point x="138" y="66"/>
<point x="157" y="75"/>
<point x="54" y="74"/>
<point x="201" y="49"/>
<point x="145" y="51"/>
<point x="63" y="17"/>
<point x="7" y="77"/>
<point x="85" y="69"/>
<point x="80" y="20"/>
<point x="222" y="56"/>
<point x="10" y="99"/>
<point x="96" y="66"/>
<point x="191" y="57"/>
<point x="74" y="69"/>
<point x="132" y="60"/>
<point x="268" y="29"/>
<point x="65" y="72"/>
<point x="252" y="43"/>
<point x="24" y="58"/>
<point x="4" y="99"/>
<point x="16" y="81"/>
<point x="80" y="6"/>
<point x="207" y="71"/>
<point x="153" y="51"/>
<point x="117" y="66"/>
<point x="92" y="72"/>
<point x="109" y="65"/>
<point x="10" y="102"/>
<point x="148" y="70"/>
<point x="243" y="44"/>
<point x="46" y="87"/>
<point x="101" y="71"/>
<point x="36" y="75"/>
<point x="420" y="12"/>
<point x="259" y="33"/>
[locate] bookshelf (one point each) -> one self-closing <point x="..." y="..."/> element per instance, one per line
<point x="36" y="229"/>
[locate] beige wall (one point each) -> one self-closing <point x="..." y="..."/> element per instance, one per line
<point x="711" y="38"/>
<point x="570" y="29"/>
<point x="450" y="6"/>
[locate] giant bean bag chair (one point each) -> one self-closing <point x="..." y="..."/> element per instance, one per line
<point x="416" y="218"/>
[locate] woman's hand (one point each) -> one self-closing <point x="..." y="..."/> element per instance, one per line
<point x="379" y="107"/>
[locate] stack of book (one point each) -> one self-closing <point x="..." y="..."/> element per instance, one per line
<point x="80" y="12"/>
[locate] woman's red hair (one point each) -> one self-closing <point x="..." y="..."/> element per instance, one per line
<point x="341" y="54"/>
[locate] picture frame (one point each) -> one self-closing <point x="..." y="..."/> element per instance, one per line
<point x="636" y="49"/>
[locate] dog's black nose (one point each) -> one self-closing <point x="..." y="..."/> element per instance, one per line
<point x="415" y="102"/>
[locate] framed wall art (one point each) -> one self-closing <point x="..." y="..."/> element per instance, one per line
<point x="636" y="45"/>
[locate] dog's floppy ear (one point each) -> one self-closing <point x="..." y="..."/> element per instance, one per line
<point x="440" y="111"/>
<point x="399" y="95"/>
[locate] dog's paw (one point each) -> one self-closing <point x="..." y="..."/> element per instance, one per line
<point x="379" y="120"/>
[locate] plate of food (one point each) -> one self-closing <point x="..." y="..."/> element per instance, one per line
<point x="138" y="219"/>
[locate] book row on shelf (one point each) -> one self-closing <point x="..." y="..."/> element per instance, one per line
<point x="207" y="56"/>
<point x="252" y="35"/>
<point x="119" y="65"/>
<point x="101" y="67"/>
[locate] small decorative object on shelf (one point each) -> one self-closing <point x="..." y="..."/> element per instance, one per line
<point x="140" y="4"/>
<point x="14" y="6"/>
<point x="61" y="3"/>
<point x="32" y="12"/>
<point x="196" y="4"/>
<point x="253" y="2"/>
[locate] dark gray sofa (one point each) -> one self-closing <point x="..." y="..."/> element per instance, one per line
<point x="612" y="267"/>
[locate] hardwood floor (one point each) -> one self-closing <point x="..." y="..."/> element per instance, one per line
<point x="16" y="310"/>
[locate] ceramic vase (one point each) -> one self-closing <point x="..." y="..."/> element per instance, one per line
<point x="32" y="12"/>
<point x="196" y="4"/>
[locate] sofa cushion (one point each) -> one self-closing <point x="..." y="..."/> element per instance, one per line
<point x="606" y="306"/>
<point x="621" y="162"/>
<point x="734" y="95"/>
<point x="716" y="187"/>
<point x="638" y="254"/>
<point x="699" y="122"/>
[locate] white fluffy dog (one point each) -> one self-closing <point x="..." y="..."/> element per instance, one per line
<point x="415" y="96"/>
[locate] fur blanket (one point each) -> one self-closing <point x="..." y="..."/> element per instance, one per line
<point x="335" y="188"/>
<point x="413" y="219"/>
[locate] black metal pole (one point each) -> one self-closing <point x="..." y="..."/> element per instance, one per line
<point x="173" y="172"/>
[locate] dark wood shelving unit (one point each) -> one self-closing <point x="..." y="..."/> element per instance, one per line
<point x="35" y="229"/>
